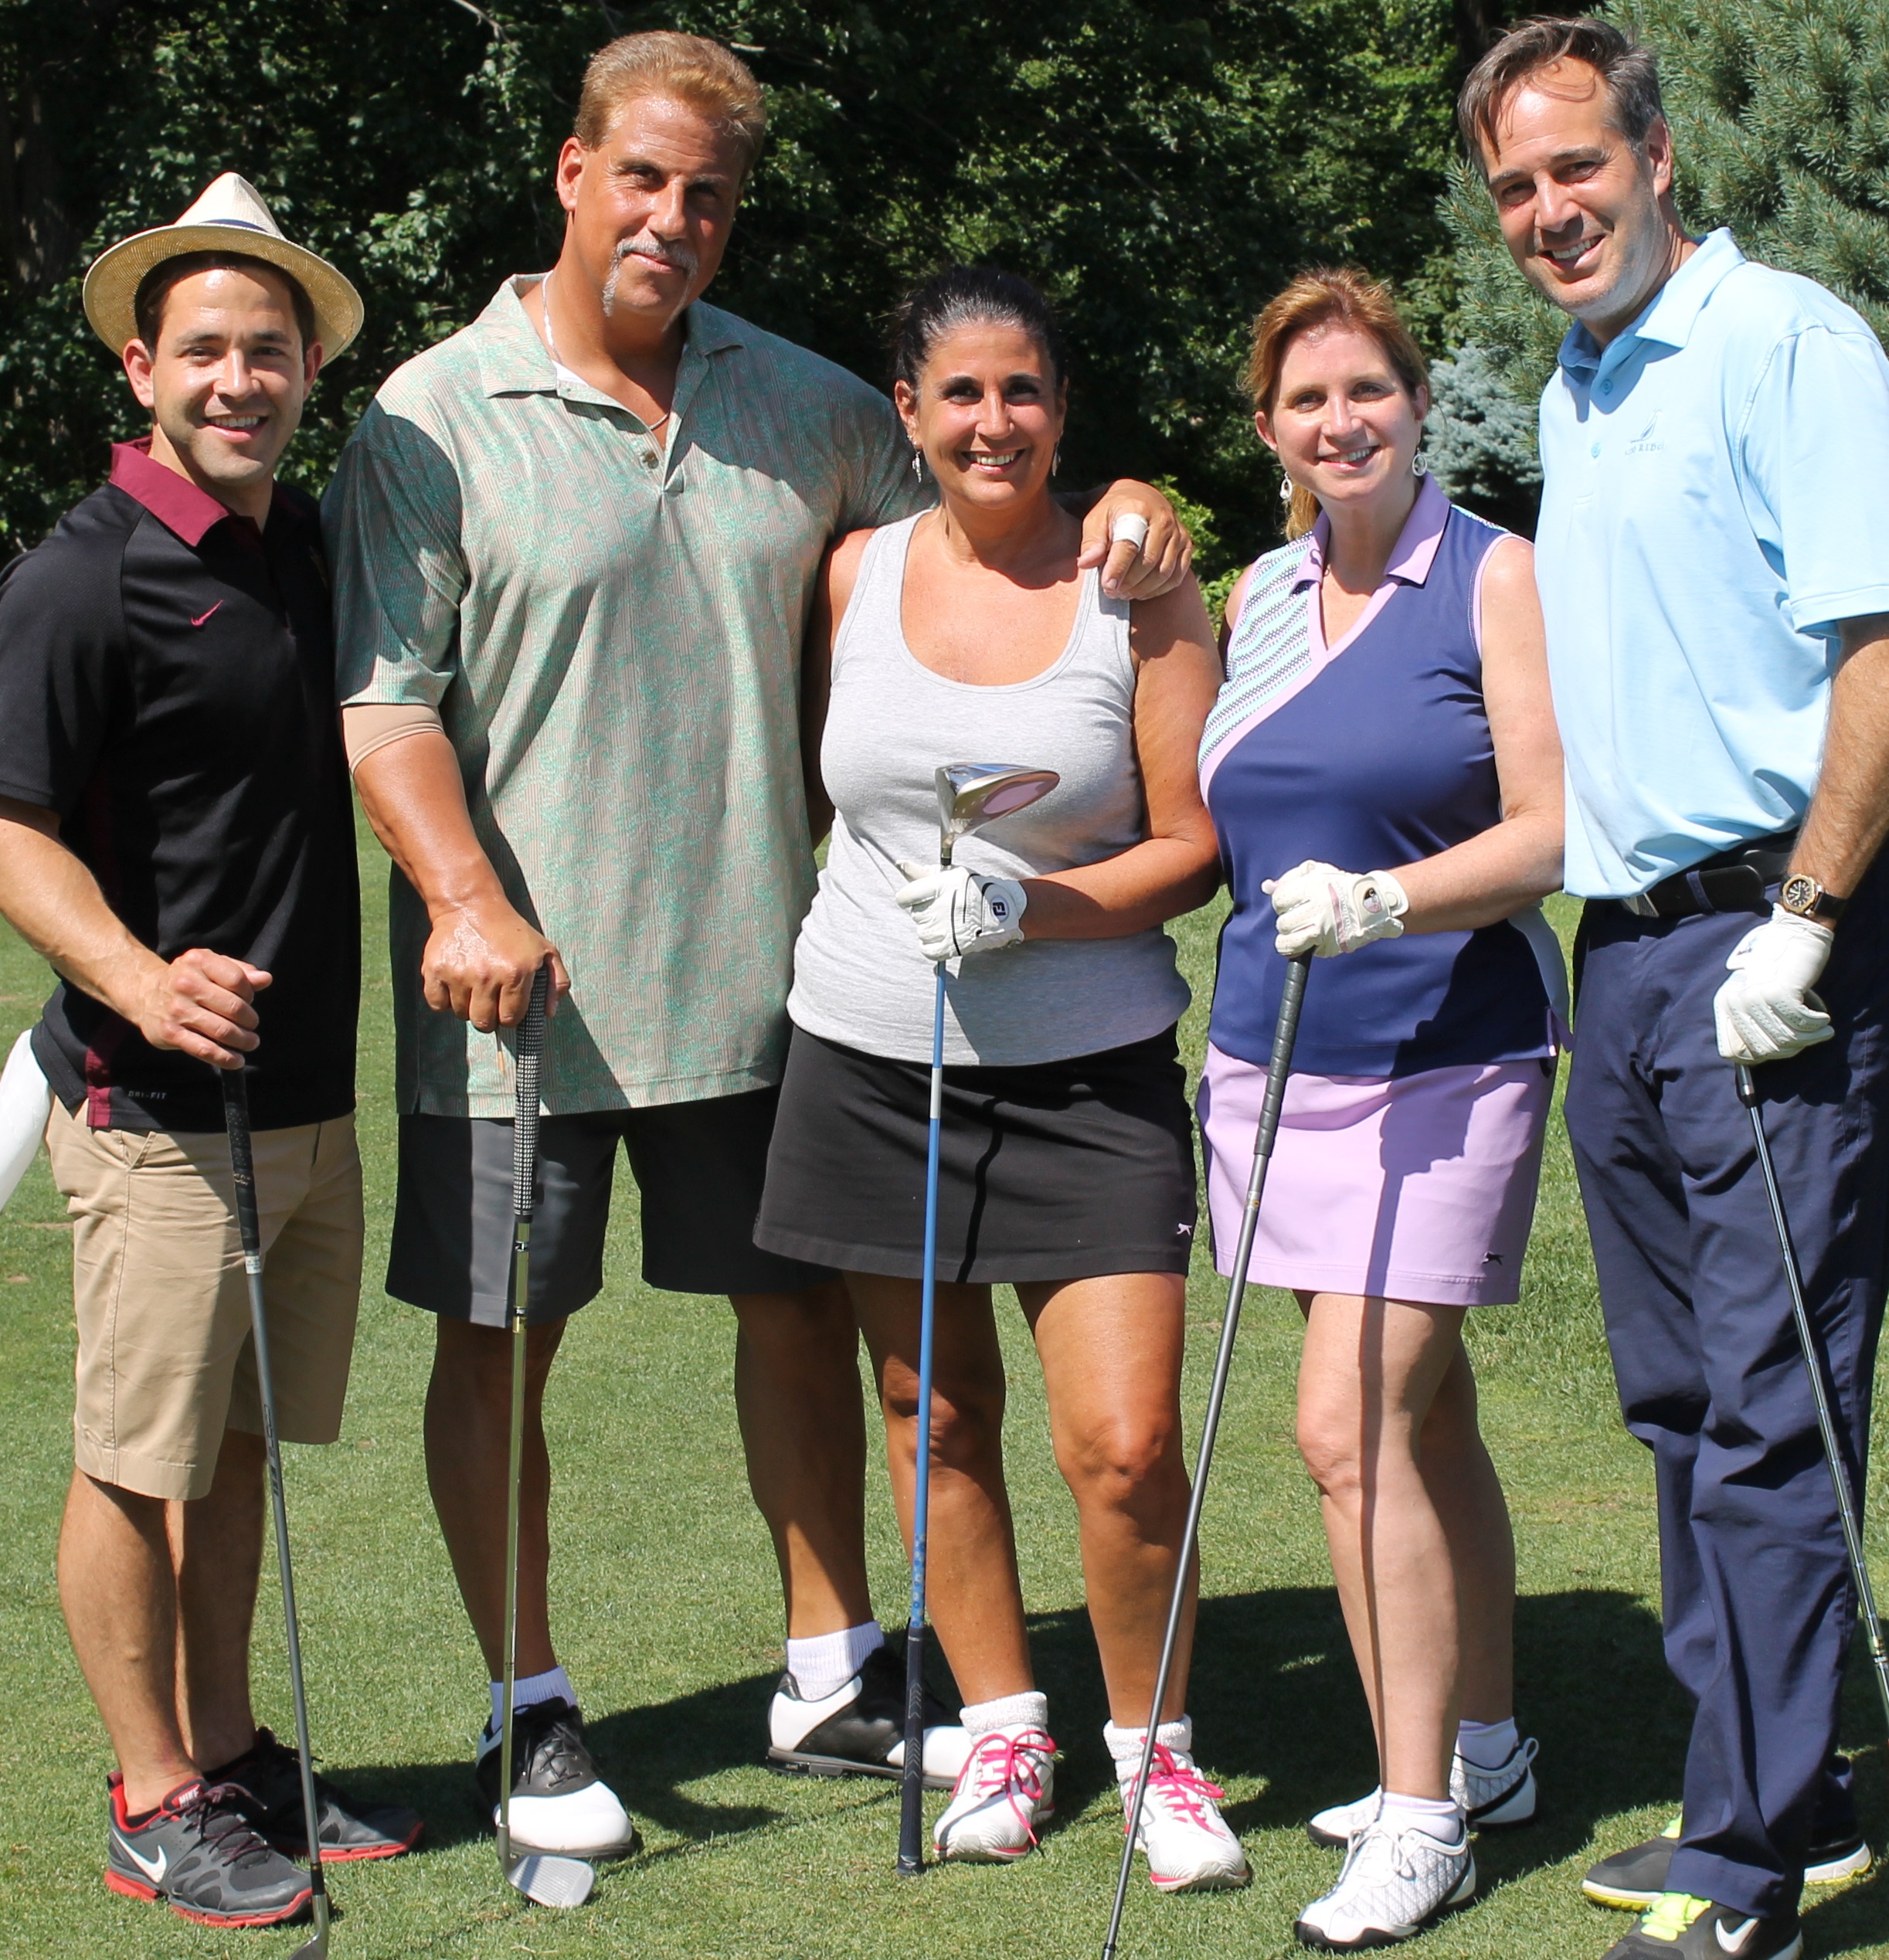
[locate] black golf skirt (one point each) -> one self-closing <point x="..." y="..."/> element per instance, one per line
<point x="1060" y="1171"/>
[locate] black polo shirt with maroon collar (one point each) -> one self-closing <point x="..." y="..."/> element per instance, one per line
<point x="167" y="686"/>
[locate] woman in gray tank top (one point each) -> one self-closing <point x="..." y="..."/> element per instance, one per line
<point x="1067" y="1164"/>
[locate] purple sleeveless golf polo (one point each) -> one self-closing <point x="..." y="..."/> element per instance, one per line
<point x="1368" y="754"/>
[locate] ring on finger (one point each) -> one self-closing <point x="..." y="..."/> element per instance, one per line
<point x="1128" y="527"/>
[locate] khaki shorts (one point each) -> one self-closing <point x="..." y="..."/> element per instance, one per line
<point x="166" y="1363"/>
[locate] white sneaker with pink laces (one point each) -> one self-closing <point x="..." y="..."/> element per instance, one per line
<point x="1003" y="1792"/>
<point x="1187" y="1843"/>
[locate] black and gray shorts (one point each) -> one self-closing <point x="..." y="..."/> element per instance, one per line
<point x="698" y="1166"/>
<point x="1057" y="1170"/>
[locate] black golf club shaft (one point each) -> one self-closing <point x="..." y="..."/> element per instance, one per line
<point x="527" y="1049"/>
<point x="1833" y="1454"/>
<point x="1285" y="1033"/>
<point x="249" y="1231"/>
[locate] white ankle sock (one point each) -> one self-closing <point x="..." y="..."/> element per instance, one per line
<point x="1030" y="1711"/>
<point x="824" y="1664"/>
<point x="553" y="1685"/>
<point x="1438" y="1815"/>
<point x="1126" y="1745"/>
<point x="1487" y="1744"/>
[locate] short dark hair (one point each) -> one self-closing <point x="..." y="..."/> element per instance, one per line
<point x="1629" y="70"/>
<point x="964" y="295"/>
<point x="154" y="289"/>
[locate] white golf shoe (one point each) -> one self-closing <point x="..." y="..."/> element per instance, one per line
<point x="1492" y="1799"/>
<point x="859" y="1729"/>
<point x="1003" y="1792"/>
<point x="559" y="1803"/>
<point x="1187" y="1843"/>
<point x="1394" y="1884"/>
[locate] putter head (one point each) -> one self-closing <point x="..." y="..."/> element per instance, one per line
<point x="558" y="1883"/>
<point x="971" y="793"/>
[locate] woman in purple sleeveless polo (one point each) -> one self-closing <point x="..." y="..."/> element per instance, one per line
<point x="1383" y="771"/>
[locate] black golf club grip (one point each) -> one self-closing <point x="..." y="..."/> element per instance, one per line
<point x="529" y="1049"/>
<point x="242" y="1157"/>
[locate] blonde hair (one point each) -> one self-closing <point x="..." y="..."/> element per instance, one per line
<point x="1328" y="296"/>
<point x="698" y="72"/>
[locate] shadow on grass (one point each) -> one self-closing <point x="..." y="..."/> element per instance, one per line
<point x="1275" y="1701"/>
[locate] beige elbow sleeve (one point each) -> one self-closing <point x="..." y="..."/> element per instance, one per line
<point x="372" y="725"/>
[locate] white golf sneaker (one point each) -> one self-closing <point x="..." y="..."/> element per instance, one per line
<point x="559" y="1803"/>
<point x="1187" y="1843"/>
<point x="1492" y="1799"/>
<point x="859" y="1729"/>
<point x="1004" y="1791"/>
<point x="1393" y="1884"/>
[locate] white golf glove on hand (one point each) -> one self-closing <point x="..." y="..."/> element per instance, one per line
<point x="1766" y="1011"/>
<point x="959" y="911"/>
<point x="1323" y="910"/>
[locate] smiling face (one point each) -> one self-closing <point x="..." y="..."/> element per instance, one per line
<point x="226" y="383"/>
<point x="1587" y="217"/>
<point x="1342" y="423"/>
<point x="987" y="413"/>
<point x="652" y="208"/>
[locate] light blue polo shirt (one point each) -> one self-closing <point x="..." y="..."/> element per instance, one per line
<point x="1715" y="500"/>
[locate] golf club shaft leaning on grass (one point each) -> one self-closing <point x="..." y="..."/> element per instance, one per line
<point x="547" y="1881"/>
<point x="249" y="1231"/>
<point x="1285" y="1033"/>
<point x="1833" y="1456"/>
<point x="969" y="793"/>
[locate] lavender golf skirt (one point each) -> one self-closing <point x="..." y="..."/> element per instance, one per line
<point x="1419" y="1188"/>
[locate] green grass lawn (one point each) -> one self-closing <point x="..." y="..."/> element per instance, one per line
<point x="669" y="1616"/>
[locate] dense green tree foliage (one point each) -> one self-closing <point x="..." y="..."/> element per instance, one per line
<point x="1161" y="166"/>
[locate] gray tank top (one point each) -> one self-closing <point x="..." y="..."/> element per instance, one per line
<point x="859" y="977"/>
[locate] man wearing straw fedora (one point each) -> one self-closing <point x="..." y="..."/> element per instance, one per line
<point x="176" y="838"/>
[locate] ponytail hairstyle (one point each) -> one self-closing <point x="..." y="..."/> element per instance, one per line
<point x="968" y="296"/>
<point x="1327" y="296"/>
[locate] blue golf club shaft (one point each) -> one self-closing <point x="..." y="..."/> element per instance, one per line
<point x="912" y="1775"/>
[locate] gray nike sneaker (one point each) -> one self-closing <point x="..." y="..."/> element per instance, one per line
<point x="199" y="1853"/>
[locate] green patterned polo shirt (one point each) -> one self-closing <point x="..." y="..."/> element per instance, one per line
<point x="611" y="632"/>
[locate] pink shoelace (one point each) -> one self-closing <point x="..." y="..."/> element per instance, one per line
<point x="1009" y="1763"/>
<point x="1182" y="1787"/>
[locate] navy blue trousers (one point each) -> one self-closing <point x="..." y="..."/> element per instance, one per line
<point x="1758" y="1608"/>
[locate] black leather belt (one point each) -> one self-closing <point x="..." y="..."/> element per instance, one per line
<point x="1734" y="880"/>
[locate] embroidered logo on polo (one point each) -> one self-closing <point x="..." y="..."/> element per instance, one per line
<point x="1648" y="440"/>
<point x="202" y="617"/>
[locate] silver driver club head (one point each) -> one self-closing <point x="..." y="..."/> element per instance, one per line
<point x="545" y="1880"/>
<point x="971" y="793"/>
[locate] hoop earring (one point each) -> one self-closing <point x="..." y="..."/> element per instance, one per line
<point x="918" y="462"/>
<point x="1285" y="490"/>
<point x="1418" y="466"/>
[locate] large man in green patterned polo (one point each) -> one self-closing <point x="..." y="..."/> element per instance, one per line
<point x="574" y="548"/>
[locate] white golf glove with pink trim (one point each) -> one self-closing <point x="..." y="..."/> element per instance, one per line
<point x="958" y="911"/>
<point x="1766" y="1011"/>
<point x="1323" y="910"/>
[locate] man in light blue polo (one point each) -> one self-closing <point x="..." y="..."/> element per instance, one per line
<point x="1714" y="561"/>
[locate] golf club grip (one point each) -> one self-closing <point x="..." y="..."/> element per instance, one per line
<point x="528" y="1053"/>
<point x="242" y="1159"/>
<point x="1285" y="1036"/>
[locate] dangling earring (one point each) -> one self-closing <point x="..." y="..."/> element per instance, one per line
<point x="1055" y="460"/>
<point x="918" y="462"/>
<point x="1285" y="490"/>
<point x="1416" y="464"/>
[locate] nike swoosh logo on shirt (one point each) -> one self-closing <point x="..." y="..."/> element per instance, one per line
<point x="216" y="608"/>
<point x="1739" y="1940"/>
<point x="154" y="1869"/>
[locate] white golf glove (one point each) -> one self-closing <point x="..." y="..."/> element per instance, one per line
<point x="1766" y="1011"/>
<point x="959" y="911"/>
<point x="1323" y="910"/>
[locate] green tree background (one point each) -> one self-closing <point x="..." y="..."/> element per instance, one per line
<point x="1160" y="166"/>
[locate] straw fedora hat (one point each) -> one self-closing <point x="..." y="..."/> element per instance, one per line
<point x="230" y="216"/>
